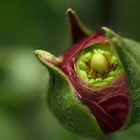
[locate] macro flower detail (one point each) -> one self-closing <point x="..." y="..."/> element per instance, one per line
<point x="94" y="87"/>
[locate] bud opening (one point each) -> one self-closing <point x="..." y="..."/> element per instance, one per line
<point x="97" y="65"/>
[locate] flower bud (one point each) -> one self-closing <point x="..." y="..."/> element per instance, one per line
<point x="95" y="83"/>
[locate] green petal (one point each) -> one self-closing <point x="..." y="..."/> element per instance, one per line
<point x="129" y="53"/>
<point x="64" y="103"/>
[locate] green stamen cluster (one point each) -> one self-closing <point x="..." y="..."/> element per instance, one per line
<point x="97" y="65"/>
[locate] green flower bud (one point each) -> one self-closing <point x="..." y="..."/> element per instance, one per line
<point x="95" y="84"/>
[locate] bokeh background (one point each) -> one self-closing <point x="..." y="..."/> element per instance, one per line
<point x="26" y="25"/>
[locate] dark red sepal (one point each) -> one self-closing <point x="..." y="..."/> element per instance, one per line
<point x="111" y="104"/>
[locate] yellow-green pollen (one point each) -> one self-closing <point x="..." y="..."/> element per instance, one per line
<point x="98" y="66"/>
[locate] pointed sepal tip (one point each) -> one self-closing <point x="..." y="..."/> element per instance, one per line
<point x="46" y="57"/>
<point x="77" y="29"/>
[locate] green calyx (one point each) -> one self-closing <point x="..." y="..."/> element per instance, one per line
<point x="97" y="65"/>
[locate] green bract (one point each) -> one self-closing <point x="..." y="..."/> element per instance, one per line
<point x="65" y="105"/>
<point x="128" y="52"/>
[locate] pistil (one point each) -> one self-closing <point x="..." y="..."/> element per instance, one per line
<point x="99" y="63"/>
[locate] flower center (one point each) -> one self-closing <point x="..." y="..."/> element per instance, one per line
<point x="97" y="65"/>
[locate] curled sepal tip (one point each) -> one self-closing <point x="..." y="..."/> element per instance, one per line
<point x="47" y="58"/>
<point x="78" y="30"/>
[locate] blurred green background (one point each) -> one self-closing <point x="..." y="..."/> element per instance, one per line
<point x="26" y="25"/>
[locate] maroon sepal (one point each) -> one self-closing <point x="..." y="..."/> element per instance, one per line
<point x="77" y="29"/>
<point x="110" y="105"/>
